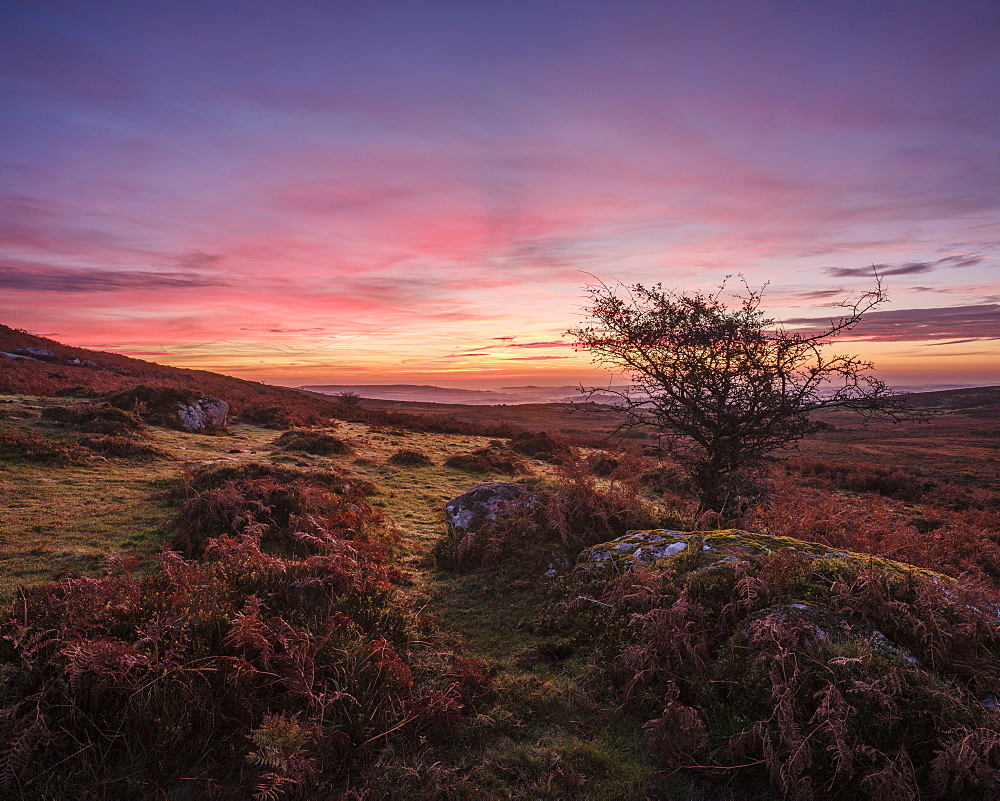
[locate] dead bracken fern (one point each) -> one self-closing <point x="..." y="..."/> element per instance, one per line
<point x="833" y="681"/>
<point x="278" y="503"/>
<point x="245" y="673"/>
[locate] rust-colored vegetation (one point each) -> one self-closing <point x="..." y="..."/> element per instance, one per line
<point x="825" y="679"/>
<point x="243" y="674"/>
<point x="301" y="636"/>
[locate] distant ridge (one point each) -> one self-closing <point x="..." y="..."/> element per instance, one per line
<point x="430" y="394"/>
<point x="72" y="371"/>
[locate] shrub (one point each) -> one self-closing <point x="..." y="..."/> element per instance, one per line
<point x="277" y="417"/>
<point x="966" y="542"/>
<point x="38" y="448"/>
<point x="282" y="506"/>
<point x="96" y="418"/>
<point x="431" y="423"/>
<point x="18" y="414"/>
<point x="349" y="398"/>
<point x="407" y="458"/>
<point x="539" y="445"/>
<point x="488" y="460"/>
<point x="318" y="443"/>
<point x="554" y="522"/>
<point x="890" y="482"/>
<point x="243" y="675"/>
<point x="159" y="405"/>
<point x="602" y="464"/>
<point x="831" y="680"/>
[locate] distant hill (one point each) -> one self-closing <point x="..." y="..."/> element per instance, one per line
<point x="422" y="393"/>
<point x="416" y="392"/>
<point x="78" y="371"/>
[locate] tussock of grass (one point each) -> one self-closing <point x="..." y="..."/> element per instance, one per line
<point x="281" y="506"/>
<point x="318" y="443"/>
<point x="488" y="460"/>
<point x="36" y="447"/>
<point x="96" y="418"/>
<point x="125" y="448"/>
<point x="409" y="458"/>
<point x="540" y="445"/>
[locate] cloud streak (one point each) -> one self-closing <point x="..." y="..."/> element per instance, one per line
<point x="554" y="344"/>
<point x="967" y="323"/>
<point x="911" y="268"/>
<point x="62" y="280"/>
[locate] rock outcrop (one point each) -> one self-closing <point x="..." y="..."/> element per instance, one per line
<point x="651" y="546"/>
<point x="776" y="652"/>
<point x="182" y="409"/>
<point x="37" y="353"/>
<point x="482" y="503"/>
<point x="203" y="413"/>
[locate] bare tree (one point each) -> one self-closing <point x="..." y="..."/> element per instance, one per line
<point x="349" y="398"/>
<point x="726" y="386"/>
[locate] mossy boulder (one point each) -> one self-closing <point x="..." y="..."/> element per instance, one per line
<point x="181" y="409"/>
<point x="707" y="547"/>
<point x="480" y="506"/>
<point x="826" y="673"/>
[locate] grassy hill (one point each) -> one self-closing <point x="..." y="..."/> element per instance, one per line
<point x="314" y="631"/>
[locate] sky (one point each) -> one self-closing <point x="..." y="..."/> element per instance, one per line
<point x="372" y="191"/>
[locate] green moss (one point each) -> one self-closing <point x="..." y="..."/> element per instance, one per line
<point x="701" y="548"/>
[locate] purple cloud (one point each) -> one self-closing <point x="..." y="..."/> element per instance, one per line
<point x="911" y="268"/>
<point x="60" y="279"/>
<point x="980" y="321"/>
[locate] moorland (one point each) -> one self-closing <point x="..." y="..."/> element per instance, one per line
<point x="277" y="607"/>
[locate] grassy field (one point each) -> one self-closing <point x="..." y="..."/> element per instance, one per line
<point x="549" y="730"/>
<point x="549" y="737"/>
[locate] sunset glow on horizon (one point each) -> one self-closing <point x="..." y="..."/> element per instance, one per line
<point x="399" y="192"/>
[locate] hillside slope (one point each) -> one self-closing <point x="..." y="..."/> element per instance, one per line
<point x="99" y="372"/>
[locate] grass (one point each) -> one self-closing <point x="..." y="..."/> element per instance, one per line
<point x="557" y="742"/>
<point x="549" y="730"/>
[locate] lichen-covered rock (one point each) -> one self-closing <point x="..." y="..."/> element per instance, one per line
<point x="182" y="409"/>
<point x="787" y="660"/>
<point x="651" y="546"/>
<point x="36" y="353"/>
<point x="205" y="412"/>
<point x="831" y="626"/>
<point x="472" y="510"/>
